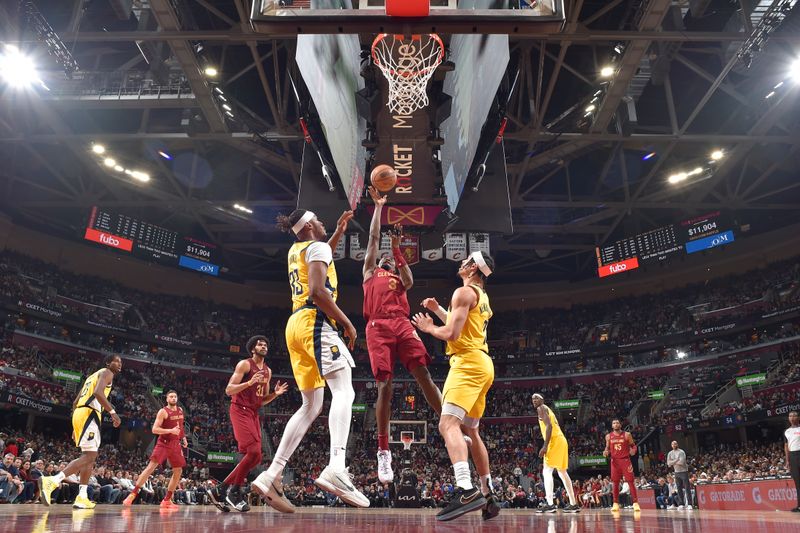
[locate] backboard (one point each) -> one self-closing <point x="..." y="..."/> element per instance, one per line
<point x="516" y="17"/>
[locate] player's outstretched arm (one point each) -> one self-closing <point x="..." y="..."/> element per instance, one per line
<point x="341" y="227"/>
<point x="371" y="257"/>
<point x="463" y="300"/>
<point x="403" y="270"/>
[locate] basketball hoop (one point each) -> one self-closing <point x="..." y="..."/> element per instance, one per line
<point x="407" y="438"/>
<point x="407" y="64"/>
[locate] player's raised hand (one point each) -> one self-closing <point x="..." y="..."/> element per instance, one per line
<point x="376" y="196"/>
<point x="341" y="224"/>
<point x="281" y="388"/>
<point x="423" y="322"/>
<point x="430" y="304"/>
<point x="396" y="235"/>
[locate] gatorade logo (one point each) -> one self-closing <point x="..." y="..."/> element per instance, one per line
<point x="756" y="494"/>
<point x="108" y="239"/>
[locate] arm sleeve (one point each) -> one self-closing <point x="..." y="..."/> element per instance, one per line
<point x="319" y="251"/>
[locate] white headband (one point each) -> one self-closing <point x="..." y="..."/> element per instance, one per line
<point x="298" y="226"/>
<point x="537" y="395"/>
<point x="481" y="262"/>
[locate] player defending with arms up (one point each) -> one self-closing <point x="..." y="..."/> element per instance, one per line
<point x="469" y="379"/>
<point x="390" y="335"/>
<point x="169" y="429"/>
<point x="620" y="446"/>
<point x="555" y="453"/>
<point x="318" y="356"/>
<point x="86" y="412"/>
<point x="249" y="391"/>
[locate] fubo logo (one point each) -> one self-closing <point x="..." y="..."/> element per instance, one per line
<point x="616" y="268"/>
<point x="108" y="239"/>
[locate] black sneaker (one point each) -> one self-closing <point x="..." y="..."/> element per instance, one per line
<point x="237" y="500"/>
<point x="547" y="509"/>
<point x="492" y="507"/>
<point x="463" y="502"/>
<point x="217" y="496"/>
<point x="796" y="509"/>
<point x="572" y="509"/>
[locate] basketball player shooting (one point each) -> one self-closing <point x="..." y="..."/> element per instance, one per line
<point x="86" y="412"/>
<point x="555" y="455"/>
<point x="319" y="356"/>
<point x="470" y="377"/>
<point x="168" y="427"/>
<point x="390" y="335"/>
<point x="620" y="446"/>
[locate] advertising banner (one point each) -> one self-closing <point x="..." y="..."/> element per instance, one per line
<point x="766" y="495"/>
<point x="67" y="375"/>
<point x="221" y="457"/>
<point x="567" y="404"/>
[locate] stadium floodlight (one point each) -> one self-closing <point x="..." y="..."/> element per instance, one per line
<point x="211" y="72"/>
<point x="590" y="108"/>
<point x="716" y="155"/>
<point x="17" y="69"/>
<point x="681" y="354"/>
<point x="109" y="162"/>
<point x="98" y="149"/>
<point x="794" y="70"/>
<point x="677" y="178"/>
<point x="607" y="71"/>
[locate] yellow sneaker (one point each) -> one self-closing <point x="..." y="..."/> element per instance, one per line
<point x="636" y="508"/>
<point x="46" y="487"/>
<point x="82" y="502"/>
<point x="615" y="508"/>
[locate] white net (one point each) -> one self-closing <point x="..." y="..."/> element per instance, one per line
<point x="407" y="64"/>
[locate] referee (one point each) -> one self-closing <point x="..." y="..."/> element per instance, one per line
<point x="792" y="448"/>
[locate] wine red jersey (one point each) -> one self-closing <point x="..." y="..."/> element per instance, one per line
<point x="385" y="296"/>
<point x="618" y="445"/>
<point x="173" y="419"/>
<point x="252" y="397"/>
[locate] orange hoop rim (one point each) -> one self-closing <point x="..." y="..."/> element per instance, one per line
<point x="414" y="37"/>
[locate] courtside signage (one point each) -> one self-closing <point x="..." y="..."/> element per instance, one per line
<point x="221" y="457"/>
<point x="592" y="460"/>
<point x="567" y="404"/>
<point x="67" y="375"/>
<point x="618" y="268"/>
<point x="752" y="379"/>
<point x="108" y="239"/>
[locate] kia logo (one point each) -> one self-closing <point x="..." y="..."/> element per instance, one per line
<point x="109" y="240"/>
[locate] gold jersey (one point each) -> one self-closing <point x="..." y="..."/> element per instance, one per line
<point x="473" y="335"/>
<point x="86" y="397"/>
<point x="556" y="431"/>
<point x="298" y="275"/>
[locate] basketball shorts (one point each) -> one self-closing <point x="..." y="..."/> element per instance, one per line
<point x="315" y="348"/>
<point x="394" y="339"/>
<point x="246" y="427"/>
<point x="620" y="468"/>
<point x="86" y="429"/>
<point x="557" y="455"/>
<point x="470" y="377"/>
<point x="171" y="452"/>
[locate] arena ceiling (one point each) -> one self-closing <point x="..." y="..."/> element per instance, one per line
<point x="575" y="184"/>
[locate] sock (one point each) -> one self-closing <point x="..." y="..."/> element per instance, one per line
<point x="564" y="475"/>
<point x="383" y="442"/>
<point x="547" y="474"/>
<point x="82" y="491"/>
<point x="337" y="461"/>
<point x="136" y="490"/>
<point x="168" y="496"/>
<point x="486" y="484"/>
<point x="463" y="478"/>
<point x="58" y="478"/>
<point x="340" y="414"/>
<point x="296" y="428"/>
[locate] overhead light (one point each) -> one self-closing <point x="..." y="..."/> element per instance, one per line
<point x="109" y="162"/>
<point x="226" y="107"/>
<point x="165" y="155"/>
<point x="695" y="172"/>
<point x="681" y="354"/>
<point x="590" y="108"/>
<point x="607" y="72"/>
<point x="229" y="114"/>
<point x="141" y="176"/>
<point x="778" y="85"/>
<point x="243" y="208"/>
<point x="649" y="156"/>
<point x="17" y="69"/>
<point x="222" y="97"/>
<point x="677" y="178"/>
<point x="128" y="171"/>
<point x="794" y="70"/>
<point x="769" y="95"/>
<point x="98" y="148"/>
<point x="211" y="72"/>
<point x="218" y="90"/>
<point x="119" y="168"/>
<point x="716" y="155"/>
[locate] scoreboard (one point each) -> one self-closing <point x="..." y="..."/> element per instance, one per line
<point x="151" y="242"/>
<point x="686" y="237"/>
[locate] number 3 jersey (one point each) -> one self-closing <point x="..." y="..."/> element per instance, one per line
<point x="385" y="296"/>
<point x="300" y="255"/>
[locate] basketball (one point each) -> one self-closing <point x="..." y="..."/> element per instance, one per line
<point x="383" y="178"/>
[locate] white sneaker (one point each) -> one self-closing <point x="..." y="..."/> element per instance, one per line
<point x="339" y="483"/>
<point x="688" y="507"/>
<point x="671" y="508"/>
<point x="272" y="491"/>
<point x="680" y="508"/>
<point x="385" y="473"/>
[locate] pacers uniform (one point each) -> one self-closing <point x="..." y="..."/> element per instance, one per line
<point x="471" y="369"/>
<point x="557" y="455"/>
<point x="168" y="446"/>
<point x="621" y="466"/>
<point x="315" y="347"/>
<point x="390" y="335"/>
<point x="86" y="416"/>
